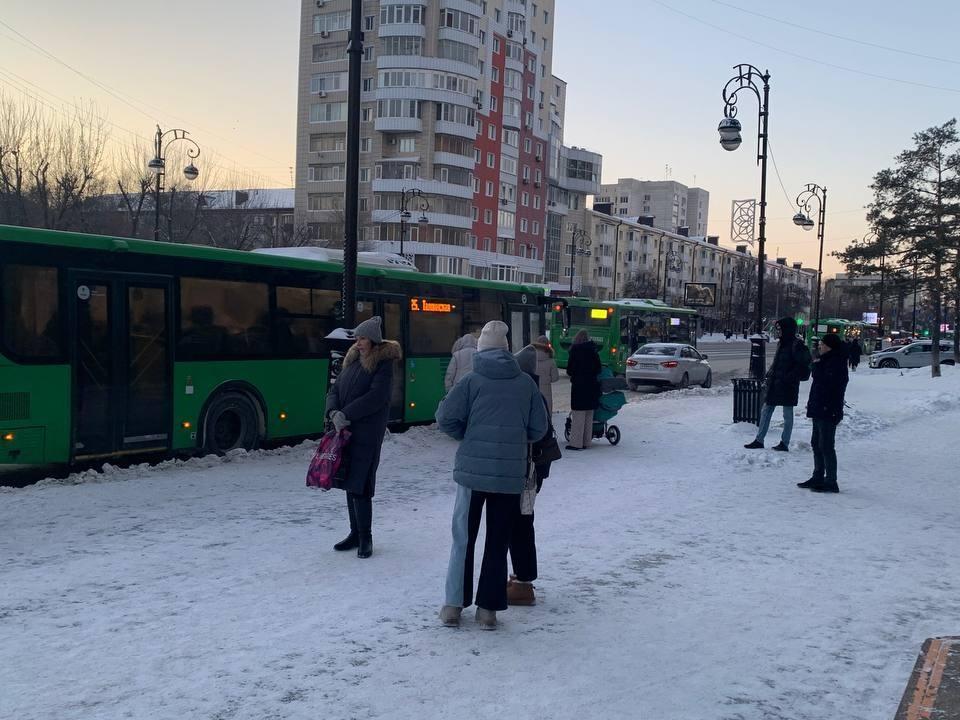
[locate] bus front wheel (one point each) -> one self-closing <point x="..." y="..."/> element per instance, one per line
<point x="231" y="422"/>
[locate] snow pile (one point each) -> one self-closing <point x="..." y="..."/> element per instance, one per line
<point x="681" y="577"/>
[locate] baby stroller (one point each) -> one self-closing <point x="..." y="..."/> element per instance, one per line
<point x="611" y="400"/>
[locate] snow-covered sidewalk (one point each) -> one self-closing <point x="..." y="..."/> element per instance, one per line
<point x="682" y="577"/>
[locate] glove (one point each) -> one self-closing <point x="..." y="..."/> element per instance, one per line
<point x="339" y="420"/>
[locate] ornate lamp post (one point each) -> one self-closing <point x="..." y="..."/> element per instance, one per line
<point x="750" y="78"/>
<point x="415" y="199"/>
<point x="158" y="166"/>
<point x="579" y="244"/>
<point x="802" y="219"/>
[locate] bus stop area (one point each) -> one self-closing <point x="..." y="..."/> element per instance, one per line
<point x="933" y="691"/>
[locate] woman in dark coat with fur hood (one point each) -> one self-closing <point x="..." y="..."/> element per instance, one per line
<point x="360" y="401"/>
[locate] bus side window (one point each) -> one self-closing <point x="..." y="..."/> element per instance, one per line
<point x="31" y="319"/>
<point x="224" y="317"/>
<point x="433" y="332"/>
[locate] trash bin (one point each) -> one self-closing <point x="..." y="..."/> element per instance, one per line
<point x="747" y="399"/>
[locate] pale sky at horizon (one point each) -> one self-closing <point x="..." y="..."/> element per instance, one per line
<point x="644" y="88"/>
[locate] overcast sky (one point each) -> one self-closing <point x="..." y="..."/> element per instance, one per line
<point x="851" y="82"/>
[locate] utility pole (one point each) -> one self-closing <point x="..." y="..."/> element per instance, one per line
<point x="351" y="204"/>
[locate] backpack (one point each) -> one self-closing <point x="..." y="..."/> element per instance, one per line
<point x="327" y="459"/>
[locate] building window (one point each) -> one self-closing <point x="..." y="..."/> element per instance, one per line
<point x="492" y="131"/>
<point x="331" y="22"/>
<point x="328" y="112"/>
<point x="488" y="220"/>
<point x="367" y="85"/>
<point x="366" y="145"/>
<point x="367" y="53"/>
<point x="329" y="52"/>
<point x="397" y="14"/>
<point x="368" y="22"/>
<point x="491" y="160"/>
<point x="364" y="174"/>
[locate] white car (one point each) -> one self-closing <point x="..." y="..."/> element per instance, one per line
<point x="675" y="364"/>
<point x="914" y="355"/>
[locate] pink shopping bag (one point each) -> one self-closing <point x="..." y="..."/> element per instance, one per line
<point x="326" y="460"/>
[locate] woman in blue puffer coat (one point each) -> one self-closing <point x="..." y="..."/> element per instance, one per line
<point x="496" y="411"/>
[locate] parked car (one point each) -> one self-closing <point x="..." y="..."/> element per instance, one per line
<point x="914" y="355"/>
<point x="675" y="364"/>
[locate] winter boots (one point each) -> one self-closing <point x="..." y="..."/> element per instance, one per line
<point x="809" y="483"/>
<point x="825" y="487"/>
<point x="520" y="593"/>
<point x="450" y="615"/>
<point x="781" y="447"/>
<point x="486" y="619"/>
<point x="349" y="542"/>
<point x="755" y="445"/>
<point x="365" y="549"/>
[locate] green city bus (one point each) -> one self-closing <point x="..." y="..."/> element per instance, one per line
<point x="618" y="327"/>
<point x="867" y="333"/>
<point x="114" y="346"/>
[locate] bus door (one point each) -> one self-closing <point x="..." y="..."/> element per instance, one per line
<point x="390" y="309"/>
<point x="121" y="340"/>
<point x="526" y="325"/>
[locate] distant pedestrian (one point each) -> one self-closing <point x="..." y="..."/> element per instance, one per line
<point x="523" y="543"/>
<point x="495" y="411"/>
<point x="854" y="351"/>
<point x="461" y="361"/>
<point x="583" y="367"/>
<point x="547" y="371"/>
<point x="791" y="366"/>
<point x="825" y="408"/>
<point x="360" y="400"/>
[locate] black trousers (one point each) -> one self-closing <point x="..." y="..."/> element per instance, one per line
<point x="502" y="510"/>
<point x="523" y="548"/>
<point x="360" y="510"/>
<point x="823" y="443"/>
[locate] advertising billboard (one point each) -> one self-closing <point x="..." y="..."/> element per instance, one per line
<point x="700" y="294"/>
<point x="870" y="318"/>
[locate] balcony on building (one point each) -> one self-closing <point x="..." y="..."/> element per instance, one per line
<point x="398" y="124"/>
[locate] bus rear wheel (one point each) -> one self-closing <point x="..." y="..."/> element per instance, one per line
<point x="231" y="422"/>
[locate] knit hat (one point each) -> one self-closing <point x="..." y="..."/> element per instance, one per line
<point x="527" y="359"/>
<point x="832" y="341"/>
<point x="493" y="336"/>
<point x="370" y="329"/>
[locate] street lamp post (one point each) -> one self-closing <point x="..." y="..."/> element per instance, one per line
<point x="416" y="199"/>
<point x="158" y="166"/>
<point x="579" y="242"/>
<point x="748" y="77"/>
<point x="804" y="220"/>
<point x="616" y="253"/>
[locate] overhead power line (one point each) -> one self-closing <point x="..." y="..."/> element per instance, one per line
<point x="124" y="98"/>
<point x="803" y="57"/>
<point x="845" y="38"/>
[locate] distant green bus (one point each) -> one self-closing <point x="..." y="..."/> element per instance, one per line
<point x="618" y="327"/>
<point x="112" y="346"/>
<point x="868" y="334"/>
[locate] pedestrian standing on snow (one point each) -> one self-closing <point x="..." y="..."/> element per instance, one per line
<point x="360" y="400"/>
<point x="461" y="361"/>
<point x="523" y="542"/>
<point x="583" y="367"/>
<point x="825" y="408"/>
<point x="791" y="365"/>
<point x="495" y="411"/>
<point x="854" y="351"/>
<point x="546" y="369"/>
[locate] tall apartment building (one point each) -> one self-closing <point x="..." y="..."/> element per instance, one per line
<point x="458" y="102"/>
<point x="672" y="205"/>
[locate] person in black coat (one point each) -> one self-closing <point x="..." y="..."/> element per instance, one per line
<point x="854" y="351"/>
<point x="583" y="367"/>
<point x="360" y="400"/>
<point x="825" y="408"/>
<point x="791" y="365"/>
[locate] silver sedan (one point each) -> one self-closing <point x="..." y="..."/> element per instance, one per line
<point x="675" y="364"/>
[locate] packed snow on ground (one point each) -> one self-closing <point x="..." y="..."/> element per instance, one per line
<point x="681" y="577"/>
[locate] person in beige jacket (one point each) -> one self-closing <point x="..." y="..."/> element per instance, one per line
<point x="461" y="361"/>
<point x="547" y="371"/>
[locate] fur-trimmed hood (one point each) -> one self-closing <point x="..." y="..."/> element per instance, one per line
<point x="387" y="350"/>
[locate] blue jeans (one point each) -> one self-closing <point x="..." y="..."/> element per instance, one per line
<point x="767" y="413"/>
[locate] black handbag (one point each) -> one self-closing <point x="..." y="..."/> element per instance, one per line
<point x="546" y="450"/>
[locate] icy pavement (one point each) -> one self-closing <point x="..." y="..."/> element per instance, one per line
<point x="682" y="577"/>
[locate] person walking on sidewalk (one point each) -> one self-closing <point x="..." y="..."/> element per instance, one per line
<point x="583" y="367"/>
<point x="360" y="400"/>
<point x="791" y="366"/>
<point x="495" y="411"/>
<point x="461" y="361"/>
<point x="825" y="408"/>
<point x="854" y="351"/>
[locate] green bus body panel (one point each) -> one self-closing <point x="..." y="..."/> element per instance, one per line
<point x="297" y="388"/>
<point x="424" y="388"/>
<point x="40" y="423"/>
